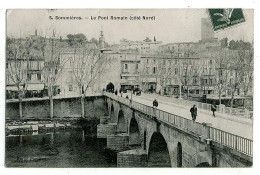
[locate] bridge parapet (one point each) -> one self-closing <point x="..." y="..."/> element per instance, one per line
<point x="206" y="133"/>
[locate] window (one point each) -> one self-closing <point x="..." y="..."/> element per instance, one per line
<point x="39" y="77"/>
<point x="70" y="87"/>
<point x="205" y="70"/>
<point x="164" y="70"/>
<point x="126" y="66"/>
<point x="220" y="72"/>
<point x="154" y="70"/>
<point x="147" y="60"/>
<point x="176" y="71"/>
<point x="29" y="76"/>
<point x="136" y="66"/>
<point x="210" y="61"/>
<point x="210" y="71"/>
<point x="176" y="61"/>
<point x="210" y="81"/>
<point x="197" y="91"/>
<point x="195" y="81"/>
<point x="147" y="70"/>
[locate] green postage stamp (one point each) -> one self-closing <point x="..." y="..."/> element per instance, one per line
<point x="224" y="18"/>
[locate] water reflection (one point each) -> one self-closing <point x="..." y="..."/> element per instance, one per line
<point x="57" y="149"/>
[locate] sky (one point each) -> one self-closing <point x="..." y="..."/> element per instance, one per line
<point x="169" y="26"/>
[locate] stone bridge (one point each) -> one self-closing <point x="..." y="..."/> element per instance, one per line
<point x="143" y="136"/>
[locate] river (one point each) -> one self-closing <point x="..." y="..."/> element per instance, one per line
<point x="57" y="149"/>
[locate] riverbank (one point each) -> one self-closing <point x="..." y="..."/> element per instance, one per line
<point x="31" y="126"/>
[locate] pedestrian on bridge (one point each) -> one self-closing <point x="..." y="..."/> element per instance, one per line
<point x="193" y="111"/>
<point x="155" y="103"/>
<point x="213" y="109"/>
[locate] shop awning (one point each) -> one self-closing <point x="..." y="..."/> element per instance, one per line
<point x="35" y="87"/>
<point x="13" y="88"/>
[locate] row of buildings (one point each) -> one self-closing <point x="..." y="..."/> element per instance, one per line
<point x="192" y="70"/>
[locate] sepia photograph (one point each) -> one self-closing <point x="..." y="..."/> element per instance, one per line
<point x="129" y="88"/>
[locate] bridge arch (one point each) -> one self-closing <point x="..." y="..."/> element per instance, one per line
<point x="179" y="155"/>
<point x="134" y="133"/>
<point x="203" y="164"/>
<point x="158" y="153"/>
<point x="121" y="123"/>
<point x="201" y="159"/>
<point x="106" y="108"/>
<point x="145" y="138"/>
<point x="112" y="113"/>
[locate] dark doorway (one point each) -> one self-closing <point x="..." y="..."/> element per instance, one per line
<point x="110" y="87"/>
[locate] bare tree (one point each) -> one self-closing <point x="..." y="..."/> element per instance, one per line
<point x="242" y="65"/>
<point x="190" y="69"/>
<point x="18" y="53"/>
<point x="222" y="74"/>
<point x="163" y="73"/>
<point x="248" y="75"/>
<point x="143" y="79"/>
<point x="53" y="67"/>
<point x="87" y="67"/>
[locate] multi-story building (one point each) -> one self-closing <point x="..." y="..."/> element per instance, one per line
<point x="24" y="67"/>
<point x="140" y="46"/>
<point x="181" y="49"/>
<point x="129" y="71"/>
<point x="167" y="74"/>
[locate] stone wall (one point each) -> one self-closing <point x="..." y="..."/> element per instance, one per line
<point x="132" y="158"/>
<point x="118" y="142"/>
<point x="94" y="107"/>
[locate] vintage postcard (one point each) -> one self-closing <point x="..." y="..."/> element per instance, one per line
<point x="129" y="88"/>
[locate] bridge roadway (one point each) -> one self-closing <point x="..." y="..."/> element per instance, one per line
<point x="239" y="126"/>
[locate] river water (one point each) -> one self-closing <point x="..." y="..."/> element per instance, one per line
<point x="57" y="149"/>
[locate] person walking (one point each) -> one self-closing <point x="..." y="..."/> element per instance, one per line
<point x="155" y="103"/>
<point x="213" y="109"/>
<point x="193" y="111"/>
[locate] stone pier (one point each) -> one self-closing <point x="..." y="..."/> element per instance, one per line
<point x="103" y="130"/>
<point x="132" y="158"/>
<point x="104" y="120"/>
<point x="118" y="142"/>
